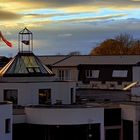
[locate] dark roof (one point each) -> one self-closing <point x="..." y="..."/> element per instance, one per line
<point x="97" y="60"/>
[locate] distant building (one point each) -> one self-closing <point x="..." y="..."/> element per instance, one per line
<point x="102" y="79"/>
<point x="69" y="97"/>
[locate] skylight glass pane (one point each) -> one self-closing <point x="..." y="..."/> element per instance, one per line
<point x="20" y="67"/>
<point x="33" y="62"/>
<point x="30" y="70"/>
<point x="37" y="70"/>
<point x="29" y="61"/>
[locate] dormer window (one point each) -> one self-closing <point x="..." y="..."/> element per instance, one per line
<point x="92" y="73"/>
<point x="64" y="74"/>
<point x="119" y="73"/>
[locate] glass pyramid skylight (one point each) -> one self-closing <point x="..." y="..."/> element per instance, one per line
<point x="25" y="64"/>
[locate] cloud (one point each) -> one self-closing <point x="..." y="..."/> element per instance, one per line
<point x="69" y="24"/>
<point x="99" y="18"/>
<point x="53" y="3"/>
<point x="69" y="5"/>
<point x="43" y="15"/>
<point x="64" y="35"/>
<point x="5" y="15"/>
<point x="63" y="3"/>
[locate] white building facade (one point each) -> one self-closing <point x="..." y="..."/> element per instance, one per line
<point x="6" y="120"/>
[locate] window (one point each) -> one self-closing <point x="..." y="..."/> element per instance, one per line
<point x="44" y="96"/>
<point x="119" y="73"/>
<point x="33" y="69"/>
<point x="30" y="70"/>
<point x="64" y="74"/>
<point x="67" y="74"/>
<point x="88" y="73"/>
<point x="61" y="74"/>
<point x="37" y="69"/>
<point x="7" y="126"/>
<point x="11" y="95"/>
<point x="72" y="95"/>
<point x="95" y="73"/>
<point x="112" y="116"/>
<point x="92" y="73"/>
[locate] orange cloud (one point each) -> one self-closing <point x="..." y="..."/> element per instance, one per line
<point x="6" y="15"/>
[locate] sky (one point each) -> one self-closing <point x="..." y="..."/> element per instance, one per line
<point x="64" y="26"/>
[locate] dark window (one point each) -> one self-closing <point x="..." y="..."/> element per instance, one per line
<point x="112" y="134"/>
<point x="139" y="129"/>
<point x="72" y="95"/>
<point x="103" y="82"/>
<point x="112" y="85"/>
<point x="92" y="73"/>
<point x="119" y="82"/>
<point x="112" y="116"/>
<point x="44" y="96"/>
<point x="11" y="95"/>
<point x="127" y="130"/>
<point x="7" y="126"/>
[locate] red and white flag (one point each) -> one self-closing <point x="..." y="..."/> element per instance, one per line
<point x="5" y="40"/>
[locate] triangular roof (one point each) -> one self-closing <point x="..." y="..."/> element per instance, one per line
<point x="25" y="64"/>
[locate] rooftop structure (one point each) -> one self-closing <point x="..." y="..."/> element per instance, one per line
<point x="25" y="63"/>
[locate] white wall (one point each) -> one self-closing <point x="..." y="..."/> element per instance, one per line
<point x="5" y="113"/>
<point x="132" y="112"/>
<point x="136" y="78"/>
<point x="128" y="112"/>
<point x="136" y="73"/>
<point x="52" y="116"/>
<point x="66" y="116"/>
<point x="28" y="92"/>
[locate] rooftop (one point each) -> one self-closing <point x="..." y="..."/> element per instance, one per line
<point x="75" y="60"/>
